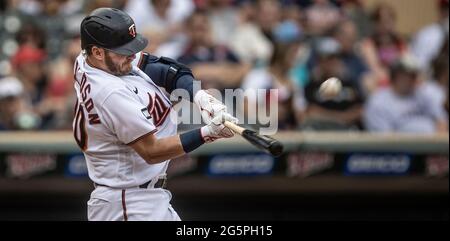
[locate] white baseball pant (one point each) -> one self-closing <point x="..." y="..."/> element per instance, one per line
<point x="133" y="204"/>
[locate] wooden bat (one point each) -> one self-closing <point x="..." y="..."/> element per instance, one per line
<point x="263" y="142"/>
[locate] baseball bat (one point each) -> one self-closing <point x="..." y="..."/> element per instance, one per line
<point x="263" y="142"/>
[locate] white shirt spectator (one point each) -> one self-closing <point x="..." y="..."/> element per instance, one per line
<point x="223" y="23"/>
<point x="173" y="48"/>
<point x="10" y="86"/>
<point x="263" y="79"/>
<point x="428" y="42"/>
<point x="250" y="44"/>
<point x="144" y="15"/>
<point x="435" y="91"/>
<point x="388" y="112"/>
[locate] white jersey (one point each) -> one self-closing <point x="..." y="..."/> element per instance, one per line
<point x="111" y="113"/>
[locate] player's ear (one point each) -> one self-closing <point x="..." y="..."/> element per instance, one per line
<point x="98" y="53"/>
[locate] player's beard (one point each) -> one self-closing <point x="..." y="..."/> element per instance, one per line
<point x="115" y="68"/>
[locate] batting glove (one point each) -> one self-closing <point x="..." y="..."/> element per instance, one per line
<point x="216" y="130"/>
<point x="209" y="106"/>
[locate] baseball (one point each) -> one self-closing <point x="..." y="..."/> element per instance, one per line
<point x="330" y="87"/>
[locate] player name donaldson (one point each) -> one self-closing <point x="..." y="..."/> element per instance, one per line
<point x="238" y="230"/>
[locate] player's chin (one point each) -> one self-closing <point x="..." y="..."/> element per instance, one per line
<point x="126" y="69"/>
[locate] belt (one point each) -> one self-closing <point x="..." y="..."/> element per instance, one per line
<point x="160" y="183"/>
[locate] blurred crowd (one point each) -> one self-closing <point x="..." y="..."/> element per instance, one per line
<point x="391" y="82"/>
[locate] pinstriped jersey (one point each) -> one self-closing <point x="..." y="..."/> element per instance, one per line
<point x="111" y="113"/>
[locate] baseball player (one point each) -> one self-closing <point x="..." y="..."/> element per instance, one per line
<point x="121" y="119"/>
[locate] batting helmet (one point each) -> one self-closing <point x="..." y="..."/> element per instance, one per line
<point x="113" y="30"/>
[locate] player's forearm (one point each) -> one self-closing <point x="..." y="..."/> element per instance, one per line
<point x="154" y="150"/>
<point x="166" y="148"/>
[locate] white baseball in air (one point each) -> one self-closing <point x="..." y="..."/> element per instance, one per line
<point x="330" y="87"/>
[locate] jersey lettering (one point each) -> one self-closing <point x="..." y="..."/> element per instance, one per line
<point x="94" y="119"/>
<point x="79" y="122"/>
<point x="157" y="109"/>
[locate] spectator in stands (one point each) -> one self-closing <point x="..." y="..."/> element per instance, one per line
<point x="385" y="45"/>
<point x="31" y="35"/>
<point x="60" y="84"/>
<point x="429" y="40"/>
<point x="291" y="103"/>
<point x="159" y="15"/>
<point x="11" y="21"/>
<point x="356" y="11"/>
<point x="159" y="24"/>
<point x="347" y="36"/>
<point x="73" y="7"/>
<point x="29" y="67"/>
<point x="290" y="26"/>
<point x="38" y="7"/>
<point x="437" y="87"/>
<point x="388" y="42"/>
<point x="404" y="107"/>
<point x="27" y="63"/>
<point x="248" y="40"/>
<point x="15" y="114"/>
<point x="343" y="112"/>
<point x="321" y="17"/>
<point x="223" y="17"/>
<point x="294" y="13"/>
<point x="268" y="16"/>
<point x="218" y="42"/>
<point x="216" y="65"/>
<point x="51" y="21"/>
<point x="29" y="7"/>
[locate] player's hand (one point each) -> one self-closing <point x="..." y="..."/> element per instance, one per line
<point x="210" y="107"/>
<point x="216" y="130"/>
